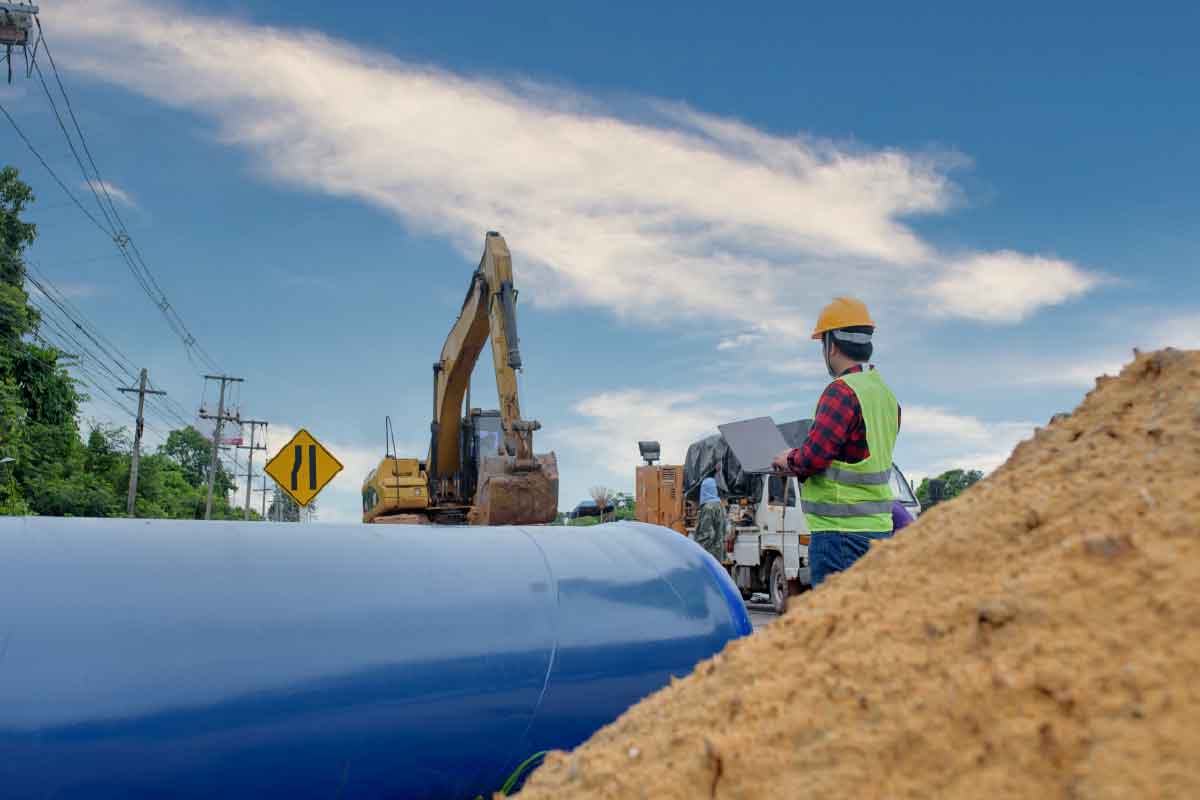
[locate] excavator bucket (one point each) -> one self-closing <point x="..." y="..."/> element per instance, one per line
<point x="516" y="492"/>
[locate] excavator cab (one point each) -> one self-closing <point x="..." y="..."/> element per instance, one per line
<point x="482" y="437"/>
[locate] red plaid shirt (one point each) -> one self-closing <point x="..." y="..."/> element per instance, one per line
<point x="838" y="431"/>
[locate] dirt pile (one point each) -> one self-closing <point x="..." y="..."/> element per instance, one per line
<point x="1037" y="637"/>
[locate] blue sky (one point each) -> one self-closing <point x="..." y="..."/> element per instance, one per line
<point x="682" y="187"/>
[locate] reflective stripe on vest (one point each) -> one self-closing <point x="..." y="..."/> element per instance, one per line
<point x="858" y="478"/>
<point x="847" y="509"/>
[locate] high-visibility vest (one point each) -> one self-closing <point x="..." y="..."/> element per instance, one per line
<point x="858" y="497"/>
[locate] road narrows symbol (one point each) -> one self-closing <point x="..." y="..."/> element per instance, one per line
<point x="288" y="467"/>
<point x="297" y="464"/>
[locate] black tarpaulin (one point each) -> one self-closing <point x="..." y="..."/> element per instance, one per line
<point x="711" y="457"/>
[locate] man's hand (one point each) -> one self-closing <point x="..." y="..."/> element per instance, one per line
<point x="780" y="463"/>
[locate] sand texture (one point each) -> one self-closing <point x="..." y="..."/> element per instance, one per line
<point x="1037" y="637"/>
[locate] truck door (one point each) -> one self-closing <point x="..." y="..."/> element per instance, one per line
<point x="793" y="524"/>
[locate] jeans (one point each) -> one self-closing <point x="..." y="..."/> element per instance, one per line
<point x="834" y="551"/>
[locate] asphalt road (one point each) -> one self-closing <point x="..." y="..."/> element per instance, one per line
<point x="761" y="615"/>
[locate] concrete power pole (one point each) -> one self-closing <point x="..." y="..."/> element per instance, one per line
<point x="141" y="392"/>
<point x="253" y="423"/>
<point x="263" y="491"/>
<point x="221" y="417"/>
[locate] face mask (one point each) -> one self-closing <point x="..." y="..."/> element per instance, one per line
<point x="828" y="348"/>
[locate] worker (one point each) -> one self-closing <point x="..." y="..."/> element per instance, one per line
<point x="845" y="462"/>
<point x="710" y="527"/>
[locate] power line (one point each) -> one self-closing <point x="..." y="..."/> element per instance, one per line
<point x="60" y="304"/>
<point x="124" y="240"/>
<point x="115" y="230"/>
<point x="85" y="374"/>
<point x="114" y="353"/>
<point x="74" y="120"/>
<point x="53" y="174"/>
<point x="75" y="153"/>
<point x="67" y="342"/>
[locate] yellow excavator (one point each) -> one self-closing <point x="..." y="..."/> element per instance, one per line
<point x="481" y="467"/>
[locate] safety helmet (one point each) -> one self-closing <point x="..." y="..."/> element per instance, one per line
<point x="843" y="312"/>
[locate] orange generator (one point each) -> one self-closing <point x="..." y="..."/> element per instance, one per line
<point x="660" y="496"/>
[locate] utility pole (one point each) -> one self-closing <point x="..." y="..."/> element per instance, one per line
<point x="141" y="392"/>
<point x="221" y="418"/>
<point x="253" y="423"/>
<point x="263" y="491"/>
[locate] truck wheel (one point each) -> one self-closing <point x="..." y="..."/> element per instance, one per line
<point x="777" y="585"/>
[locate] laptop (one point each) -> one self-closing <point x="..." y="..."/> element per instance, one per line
<point x="755" y="442"/>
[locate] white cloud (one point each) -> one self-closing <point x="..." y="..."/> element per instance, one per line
<point x="114" y="191"/>
<point x="812" y="367"/>
<point x="1082" y="374"/>
<point x="1182" y="332"/>
<point x="614" y="422"/>
<point x="1007" y="286"/>
<point x="739" y="341"/>
<point x="933" y="421"/>
<point x="676" y="215"/>
<point x="935" y="439"/>
<point x="79" y="290"/>
<point x="71" y="290"/>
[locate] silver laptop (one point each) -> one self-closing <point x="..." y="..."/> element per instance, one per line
<point x="755" y="442"/>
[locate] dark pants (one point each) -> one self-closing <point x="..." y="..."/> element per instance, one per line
<point x="834" y="551"/>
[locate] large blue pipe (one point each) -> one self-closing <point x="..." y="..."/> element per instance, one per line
<point x="199" y="660"/>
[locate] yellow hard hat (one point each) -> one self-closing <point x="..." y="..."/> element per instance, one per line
<point x="843" y="312"/>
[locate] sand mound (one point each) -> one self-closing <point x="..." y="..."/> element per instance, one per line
<point x="1037" y="637"/>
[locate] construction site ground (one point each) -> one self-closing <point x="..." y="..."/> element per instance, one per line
<point x="1037" y="637"/>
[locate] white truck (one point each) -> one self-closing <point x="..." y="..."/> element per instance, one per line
<point x="770" y="545"/>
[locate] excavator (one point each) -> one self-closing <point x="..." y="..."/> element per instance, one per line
<point x="481" y="468"/>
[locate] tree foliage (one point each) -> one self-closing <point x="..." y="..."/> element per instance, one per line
<point x="55" y="471"/>
<point x="954" y="483"/>
<point x="284" y="509"/>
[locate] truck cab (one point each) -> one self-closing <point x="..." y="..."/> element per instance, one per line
<point x="770" y="539"/>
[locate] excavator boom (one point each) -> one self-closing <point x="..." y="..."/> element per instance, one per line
<point x="503" y="483"/>
<point x="489" y="310"/>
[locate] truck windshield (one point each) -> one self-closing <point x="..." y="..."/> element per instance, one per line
<point x="775" y="488"/>
<point x="900" y="488"/>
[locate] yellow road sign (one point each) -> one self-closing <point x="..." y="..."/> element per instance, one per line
<point x="303" y="467"/>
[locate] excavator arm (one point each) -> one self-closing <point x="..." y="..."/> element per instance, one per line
<point x="516" y="478"/>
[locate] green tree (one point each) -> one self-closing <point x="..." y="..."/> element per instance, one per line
<point x="284" y="509"/>
<point x="55" y="471"/>
<point x="190" y="449"/>
<point x="624" y="506"/>
<point x="954" y="483"/>
<point x="17" y="317"/>
<point x="38" y="399"/>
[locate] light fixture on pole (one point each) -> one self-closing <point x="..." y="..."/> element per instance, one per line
<point x="651" y="451"/>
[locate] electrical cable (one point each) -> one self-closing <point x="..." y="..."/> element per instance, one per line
<point x="67" y="341"/>
<point x="53" y="174"/>
<point x="46" y="287"/>
<point x="116" y="230"/>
